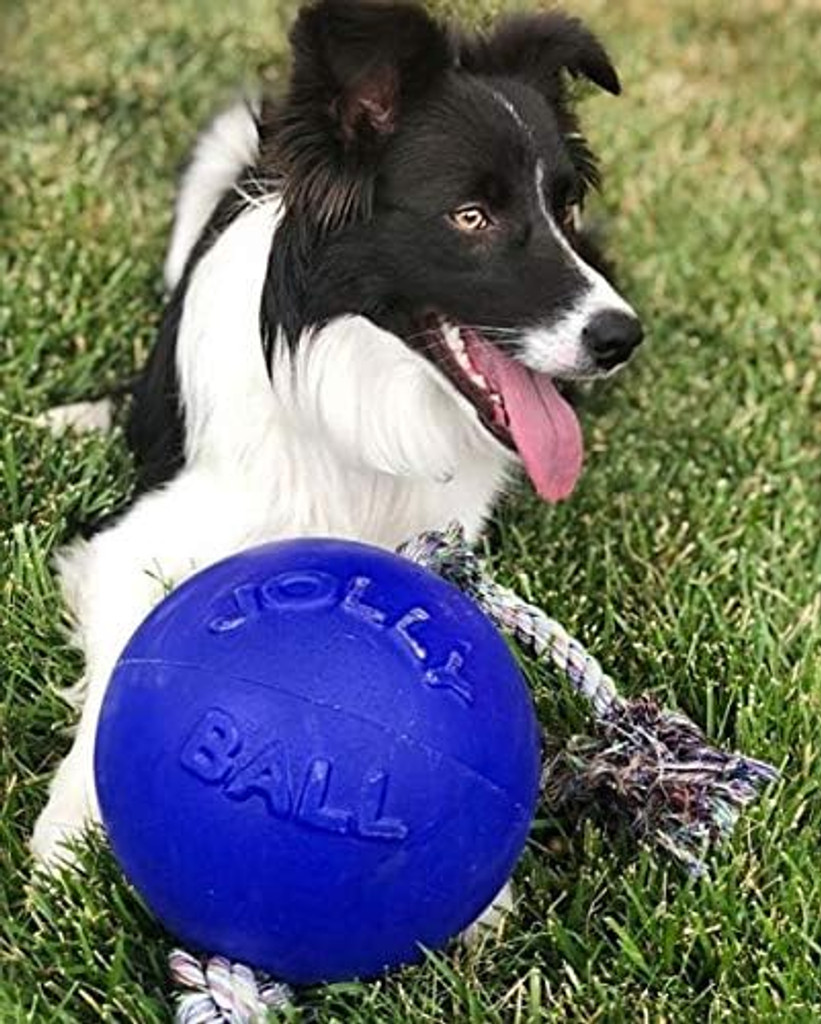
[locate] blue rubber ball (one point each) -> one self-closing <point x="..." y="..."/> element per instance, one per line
<point x="316" y="757"/>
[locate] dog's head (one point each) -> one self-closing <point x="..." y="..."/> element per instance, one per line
<point x="440" y="180"/>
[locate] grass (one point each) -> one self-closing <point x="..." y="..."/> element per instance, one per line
<point x="689" y="559"/>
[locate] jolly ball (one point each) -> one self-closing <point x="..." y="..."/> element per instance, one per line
<point x="317" y="758"/>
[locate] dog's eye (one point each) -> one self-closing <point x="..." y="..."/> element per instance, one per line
<point x="470" y="218"/>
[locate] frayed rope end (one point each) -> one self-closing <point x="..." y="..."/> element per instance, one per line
<point x="654" y="769"/>
<point x="651" y="766"/>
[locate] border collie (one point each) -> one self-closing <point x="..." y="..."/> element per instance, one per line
<point x="374" y="283"/>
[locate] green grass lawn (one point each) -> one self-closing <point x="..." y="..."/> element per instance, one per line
<point x="689" y="559"/>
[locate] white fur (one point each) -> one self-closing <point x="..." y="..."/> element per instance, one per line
<point x="229" y="144"/>
<point x="503" y="101"/>
<point x="559" y="348"/>
<point x="492" y="921"/>
<point x="356" y="436"/>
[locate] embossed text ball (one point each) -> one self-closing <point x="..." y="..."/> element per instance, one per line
<point x="316" y="757"/>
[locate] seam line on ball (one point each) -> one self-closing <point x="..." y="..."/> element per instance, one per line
<point x="421" y="745"/>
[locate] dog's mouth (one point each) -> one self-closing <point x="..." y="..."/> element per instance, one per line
<point x="521" y="408"/>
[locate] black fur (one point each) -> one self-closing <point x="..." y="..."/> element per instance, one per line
<point x="390" y="123"/>
<point x="156" y="431"/>
<point x="371" y="170"/>
<point x="156" y="428"/>
<point x="538" y="48"/>
<point x="357" y="68"/>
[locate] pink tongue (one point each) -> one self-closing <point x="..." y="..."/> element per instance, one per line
<point x="544" y="427"/>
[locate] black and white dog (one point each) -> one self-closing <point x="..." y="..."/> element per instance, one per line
<point x="374" y="283"/>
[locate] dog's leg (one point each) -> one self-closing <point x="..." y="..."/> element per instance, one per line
<point x="491" y="920"/>
<point x="110" y="583"/>
<point x="111" y="586"/>
<point x="72" y="800"/>
<point x="79" y="417"/>
<point x="72" y="803"/>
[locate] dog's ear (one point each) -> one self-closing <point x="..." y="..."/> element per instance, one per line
<point x="357" y="66"/>
<point x="538" y="48"/>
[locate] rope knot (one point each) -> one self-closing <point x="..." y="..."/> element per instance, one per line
<point x="653" y="767"/>
<point x="223" y="993"/>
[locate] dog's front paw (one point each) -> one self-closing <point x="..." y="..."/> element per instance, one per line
<point x="492" y="920"/>
<point x="48" y="845"/>
<point x="59" y="828"/>
<point x="52" y="843"/>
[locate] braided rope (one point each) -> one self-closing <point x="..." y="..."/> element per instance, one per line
<point x="449" y="555"/>
<point x="222" y="992"/>
<point x="647" y="765"/>
<point x="651" y="766"/>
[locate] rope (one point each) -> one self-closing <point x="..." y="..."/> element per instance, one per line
<point x="448" y="555"/>
<point x="222" y="992"/>
<point x="646" y="766"/>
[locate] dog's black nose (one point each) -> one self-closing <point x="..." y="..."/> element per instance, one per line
<point x="612" y="336"/>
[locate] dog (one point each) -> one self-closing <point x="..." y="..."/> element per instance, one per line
<point x="375" y="284"/>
